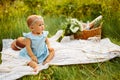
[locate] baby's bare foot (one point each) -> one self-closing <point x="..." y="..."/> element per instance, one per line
<point x="36" y="68"/>
<point x="34" y="65"/>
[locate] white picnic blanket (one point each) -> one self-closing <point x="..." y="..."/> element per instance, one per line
<point x="67" y="52"/>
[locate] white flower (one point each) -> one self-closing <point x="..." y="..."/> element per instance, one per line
<point x="75" y="25"/>
<point x="74" y="29"/>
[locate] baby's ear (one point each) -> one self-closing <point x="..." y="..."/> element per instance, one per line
<point x="31" y="28"/>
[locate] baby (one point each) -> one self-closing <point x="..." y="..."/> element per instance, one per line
<point x="34" y="46"/>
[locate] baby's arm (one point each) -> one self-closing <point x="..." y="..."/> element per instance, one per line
<point x="48" y="44"/>
<point x="29" y="50"/>
<point x="51" y="52"/>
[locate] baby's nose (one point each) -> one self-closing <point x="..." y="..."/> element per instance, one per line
<point x="43" y="27"/>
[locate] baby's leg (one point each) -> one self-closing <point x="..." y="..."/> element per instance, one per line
<point x="34" y="65"/>
<point x="50" y="56"/>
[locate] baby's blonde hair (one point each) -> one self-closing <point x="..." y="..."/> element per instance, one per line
<point x="31" y="20"/>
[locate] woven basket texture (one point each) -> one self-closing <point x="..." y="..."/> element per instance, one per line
<point x="85" y="34"/>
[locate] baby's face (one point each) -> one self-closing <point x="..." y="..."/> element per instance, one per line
<point x="38" y="27"/>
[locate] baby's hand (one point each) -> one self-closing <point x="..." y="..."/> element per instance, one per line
<point x="34" y="58"/>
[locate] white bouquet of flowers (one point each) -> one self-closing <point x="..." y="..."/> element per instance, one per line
<point x="74" y="26"/>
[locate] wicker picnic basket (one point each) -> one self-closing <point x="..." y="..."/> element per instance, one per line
<point x="85" y="34"/>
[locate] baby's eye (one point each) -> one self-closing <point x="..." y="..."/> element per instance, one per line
<point x="41" y="24"/>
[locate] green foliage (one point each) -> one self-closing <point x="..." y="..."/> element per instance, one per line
<point x="53" y="24"/>
<point x="111" y="25"/>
